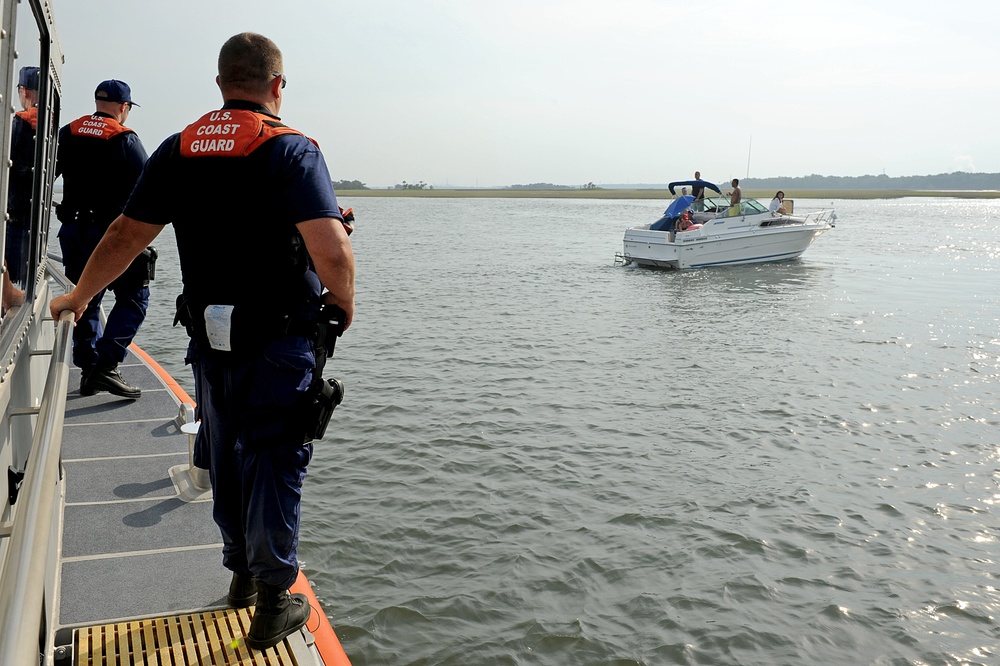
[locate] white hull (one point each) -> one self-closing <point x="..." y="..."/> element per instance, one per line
<point x="726" y="241"/>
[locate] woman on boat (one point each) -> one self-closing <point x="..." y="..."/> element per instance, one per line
<point x="684" y="222"/>
<point x="777" y="203"/>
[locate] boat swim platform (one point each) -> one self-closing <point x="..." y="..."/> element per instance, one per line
<point x="204" y="638"/>
<point x="140" y="557"/>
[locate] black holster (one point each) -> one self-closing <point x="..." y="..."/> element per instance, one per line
<point x="184" y="316"/>
<point x="140" y="272"/>
<point x="323" y="397"/>
<point x="329" y="327"/>
<point x="324" y="394"/>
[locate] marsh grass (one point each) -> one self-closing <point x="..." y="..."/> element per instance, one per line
<point x="664" y="194"/>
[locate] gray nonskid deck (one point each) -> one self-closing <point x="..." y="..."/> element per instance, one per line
<point x="130" y="547"/>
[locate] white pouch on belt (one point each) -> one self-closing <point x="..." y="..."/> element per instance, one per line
<point x="219" y="326"/>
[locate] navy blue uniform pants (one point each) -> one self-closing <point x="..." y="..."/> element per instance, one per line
<point x="91" y="347"/>
<point x="18" y="241"/>
<point x="251" y="441"/>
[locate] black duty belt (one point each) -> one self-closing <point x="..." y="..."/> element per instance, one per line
<point x="85" y="215"/>
<point x="250" y="331"/>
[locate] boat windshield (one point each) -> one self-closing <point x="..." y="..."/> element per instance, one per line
<point x="752" y="206"/>
<point x="712" y="204"/>
<point x="720" y="206"/>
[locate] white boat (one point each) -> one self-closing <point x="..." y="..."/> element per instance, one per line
<point x="722" y="235"/>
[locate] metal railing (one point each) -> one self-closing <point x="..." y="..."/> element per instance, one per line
<point x="22" y="579"/>
<point x="53" y="272"/>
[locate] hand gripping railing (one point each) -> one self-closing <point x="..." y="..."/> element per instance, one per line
<point x="22" y="580"/>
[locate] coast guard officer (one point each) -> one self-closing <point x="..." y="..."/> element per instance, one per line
<point x="100" y="160"/>
<point x="22" y="157"/>
<point x="259" y="237"/>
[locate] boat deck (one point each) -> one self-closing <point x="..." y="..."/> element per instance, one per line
<point x="139" y="543"/>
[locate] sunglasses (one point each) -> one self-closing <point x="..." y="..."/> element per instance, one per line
<point x="284" y="81"/>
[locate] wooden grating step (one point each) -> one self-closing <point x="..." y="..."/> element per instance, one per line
<point x="182" y="640"/>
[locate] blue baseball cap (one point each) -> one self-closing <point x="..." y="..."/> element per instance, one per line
<point x="114" y="91"/>
<point x="28" y="78"/>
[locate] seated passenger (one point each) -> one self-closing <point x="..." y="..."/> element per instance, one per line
<point x="776" y="203"/>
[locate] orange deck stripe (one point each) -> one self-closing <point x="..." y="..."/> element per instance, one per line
<point x="326" y="640"/>
<point x="163" y="374"/>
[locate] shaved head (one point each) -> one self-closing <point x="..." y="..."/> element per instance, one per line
<point x="248" y="62"/>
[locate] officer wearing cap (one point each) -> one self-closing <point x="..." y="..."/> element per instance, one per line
<point x="22" y="157"/>
<point x="100" y="161"/>
<point x="262" y="248"/>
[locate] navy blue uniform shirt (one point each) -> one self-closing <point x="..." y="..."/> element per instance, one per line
<point x="235" y="217"/>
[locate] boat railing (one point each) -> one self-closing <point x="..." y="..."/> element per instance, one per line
<point x="64" y="282"/>
<point x="824" y="216"/>
<point x="186" y="420"/>
<point x="22" y="606"/>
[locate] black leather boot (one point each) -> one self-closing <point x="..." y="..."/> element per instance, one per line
<point x="242" y="591"/>
<point x="110" y="380"/>
<point x="277" y="615"/>
<point x="85" y="387"/>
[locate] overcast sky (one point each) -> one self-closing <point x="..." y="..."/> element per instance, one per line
<point x="498" y="92"/>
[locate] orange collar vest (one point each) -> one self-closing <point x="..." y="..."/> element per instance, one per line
<point x="98" y="127"/>
<point x="30" y="115"/>
<point x="230" y="133"/>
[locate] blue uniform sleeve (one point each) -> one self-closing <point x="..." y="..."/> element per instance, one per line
<point x="308" y="189"/>
<point x="135" y="152"/>
<point x="143" y="204"/>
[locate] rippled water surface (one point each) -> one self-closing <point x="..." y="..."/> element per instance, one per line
<point x="546" y="459"/>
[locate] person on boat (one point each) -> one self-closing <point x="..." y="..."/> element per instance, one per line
<point x="685" y="221"/>
<point x="264" y="258"/>
<point x="698" y="192"/>
<point x="22" y="160"/>
<point x="100" y="161"/>
<point x="777" y="203"/>
<point x="735" y="197"/>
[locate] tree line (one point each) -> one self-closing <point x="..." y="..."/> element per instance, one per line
<point x="349" y="185"/>
<point x="958" y="180"/>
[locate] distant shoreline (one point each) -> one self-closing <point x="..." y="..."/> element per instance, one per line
<point x="664" y="194"/>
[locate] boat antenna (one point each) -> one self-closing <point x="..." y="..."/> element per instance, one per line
<point x="749" y="151"/>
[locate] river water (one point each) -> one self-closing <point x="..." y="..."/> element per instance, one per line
<point x="543" y="458"/>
